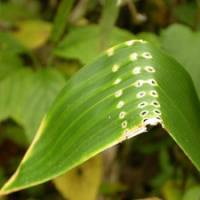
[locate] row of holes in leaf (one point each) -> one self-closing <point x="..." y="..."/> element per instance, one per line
<point x="139" y="83"/>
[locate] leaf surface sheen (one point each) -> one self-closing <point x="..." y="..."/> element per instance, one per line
<point x="131" y="86"/>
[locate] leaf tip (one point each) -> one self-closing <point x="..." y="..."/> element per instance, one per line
<point x="7" y="188"/>
<point x="12" y="185"/>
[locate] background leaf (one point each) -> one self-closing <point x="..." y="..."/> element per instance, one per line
<point x="9" y="45"/>
<point x="12" y="12"/>
<point x="34" y="91"/>
<point x="107" y="22"/>
<point x="61" y="19"/>
<point x="32" y="33"/>
<point x="85" y="179"/>
<point x="84" y="43"/>
<point x="171" y="191"/>
<point x="184" y="45"/>
<point x="187" y="13"/>
<point x="9" y="63"/>
<point x="192" y="193"/>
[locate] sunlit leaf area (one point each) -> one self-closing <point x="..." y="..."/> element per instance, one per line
<point x="99" y="100"/>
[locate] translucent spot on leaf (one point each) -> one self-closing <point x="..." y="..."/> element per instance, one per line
<point x="110" y="51"/>
<point x="122" y="115"/>
<point x="115" y="67"/>
<point x="120" y="104"/>
<point x="152" y="82"/>
<point x="155" y="104"/>
<point x="147" y="55"/>
<point x="144" y="120"/>
<point x="130" y="42"/>
<point x="133" y="56"/>
<point x="138" y="83"/>
<point x="142" y="104"/>
<point x="158" y="118"/>
<point x="124" y="124"/>
<point x="136" y="70"/>
<point x="150" y="69"/>
<point x="117" y="81"/>
<point x="144" y="113"/>
<point x="153" y="93"/>
<point x="156" y="111"/>
<point x="118" y="93"/>
<point x="141" y="94"/>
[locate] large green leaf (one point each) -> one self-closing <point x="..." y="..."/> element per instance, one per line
<point x="129" y="88"/>
<point x="184" y="44"/>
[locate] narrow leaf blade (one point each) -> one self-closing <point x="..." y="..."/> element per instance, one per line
<point x="61" y="19"/>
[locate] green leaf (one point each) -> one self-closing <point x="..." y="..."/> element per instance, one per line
<point x="61" y="19"/>
<point x="23" y="90"/>
<point x="192" y="193"/>
<point x="9" y="63"/>
<point x="186" y="13"/>
<point x="184" y="45"/>
<point x="8" y="44"/>
<point x="172" y="191"/>
<point x="108" y="18"/>
<point x="84" y="43"/>
<point x="129" y="88"/>
<point x="80" y="179"/>
<point x="17" y="10"/>
<point x="32" y="33"/>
